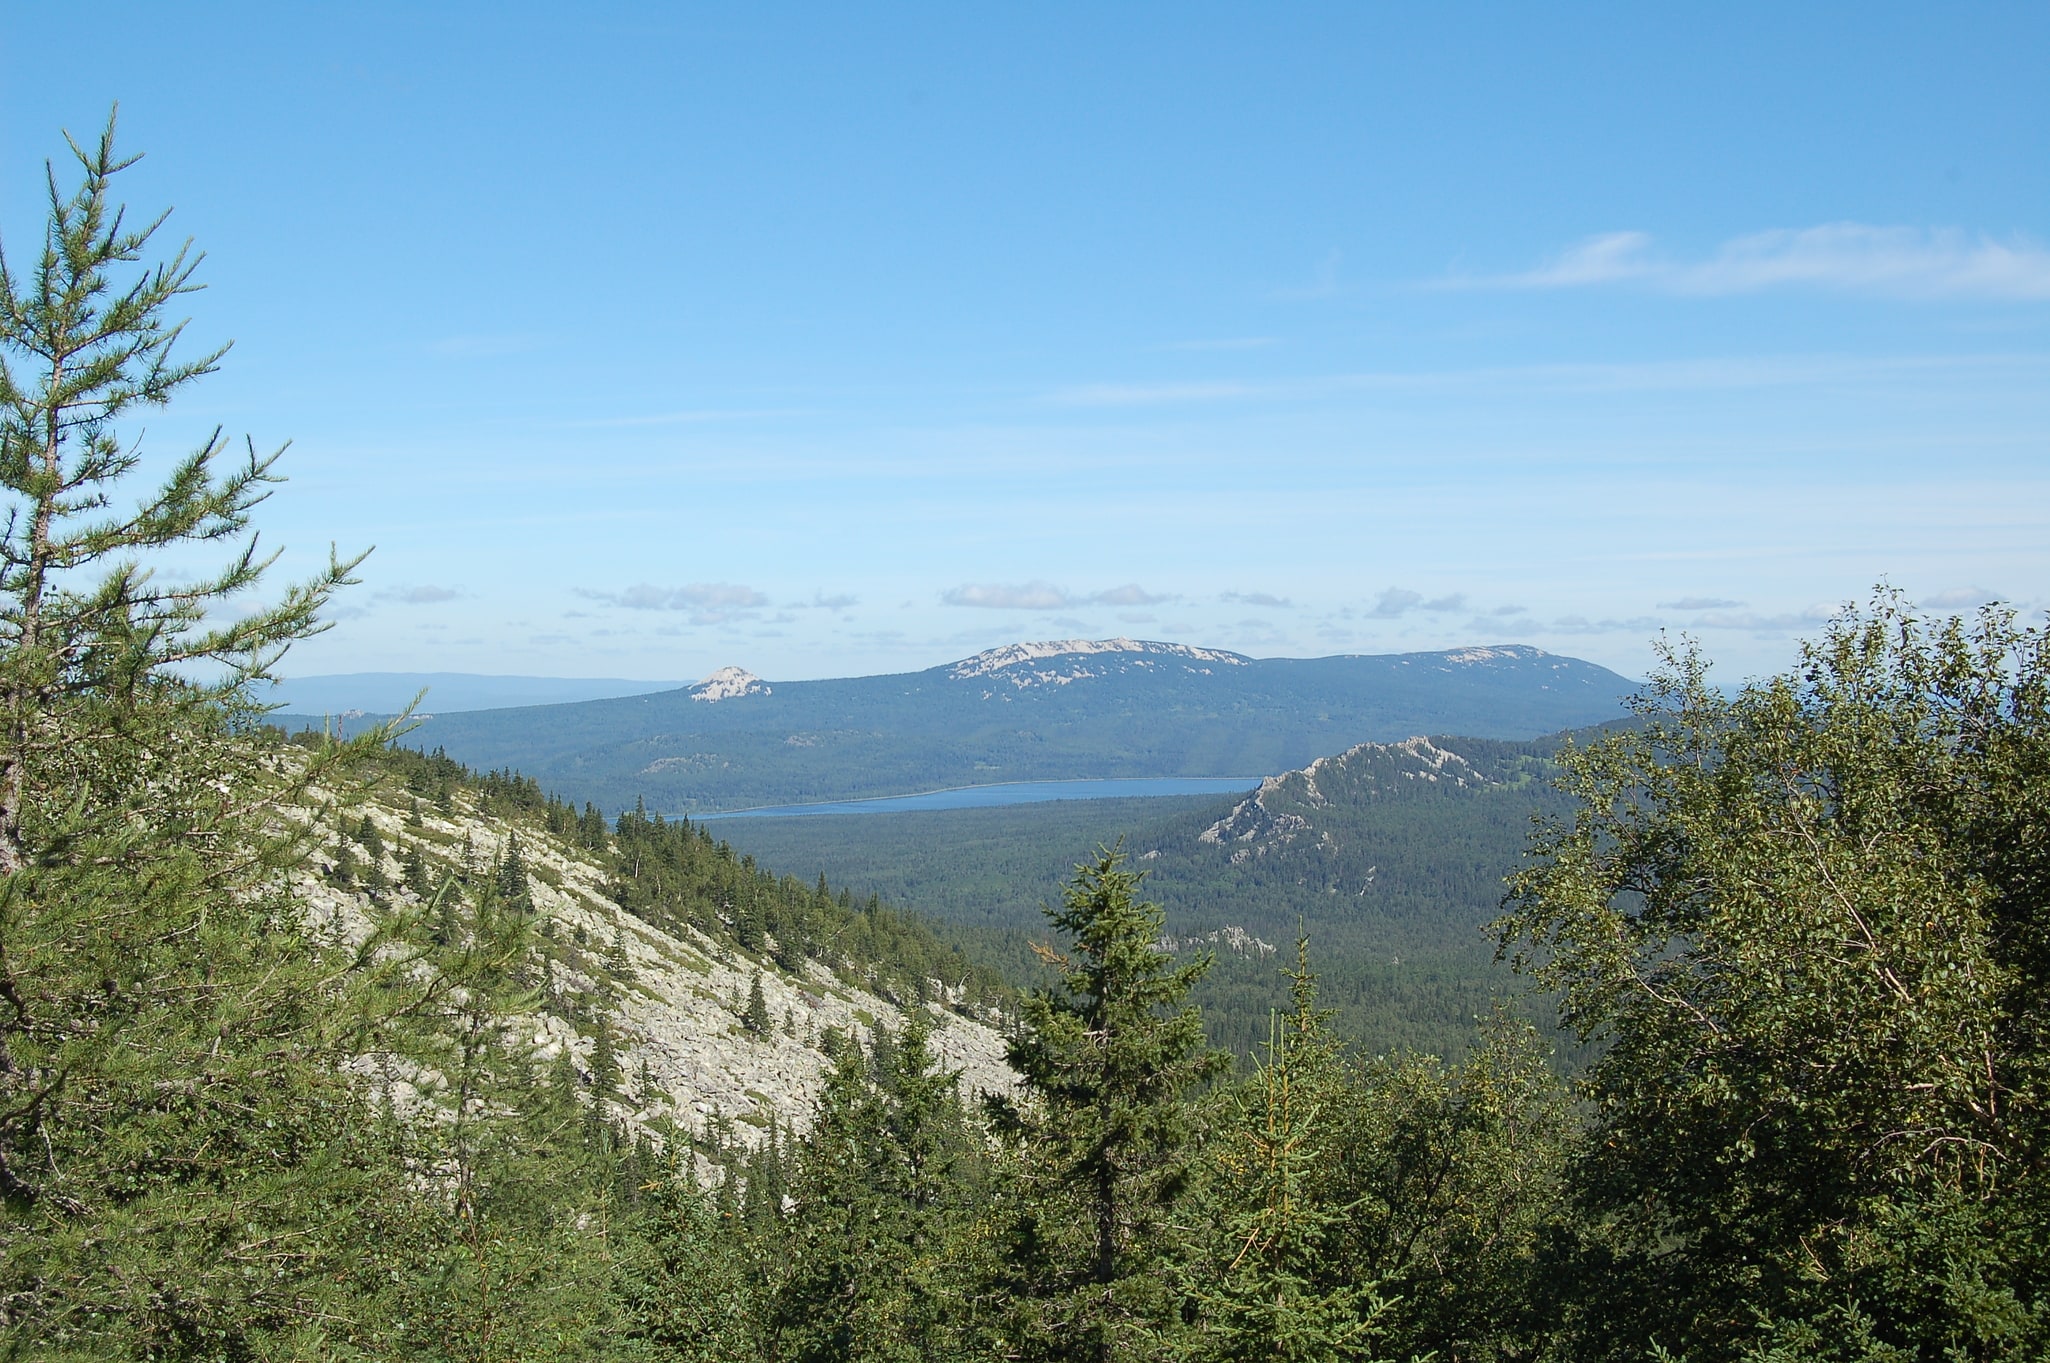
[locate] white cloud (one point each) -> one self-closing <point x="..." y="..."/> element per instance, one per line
<point x="1787" y="622"/>
<point x="1131" y="594"/>
<point x="708" y="603"/>
<point x="1399" y="600"/>
<point x="645" y="596"/>
<point x="1580" y="624"/>
<point x="1266" y="599"/>
<point x="425" y="594"/>
<point x="1044" y="596"/>
<point x="1699" y="603"/>
<point x="1958" y="598"/>
<point x="1892" y="262"/>
<point x="1024" y="596"/>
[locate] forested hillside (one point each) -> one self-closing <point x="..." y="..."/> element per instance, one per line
<point x="1392" y="857"/>
<point x="322" y="1050"/>
<point x="1032" y="712"/>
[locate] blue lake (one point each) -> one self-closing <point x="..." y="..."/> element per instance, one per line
<point x="1006" y="793"/>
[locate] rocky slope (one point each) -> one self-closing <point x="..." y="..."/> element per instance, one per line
<point x="679" y="996"/>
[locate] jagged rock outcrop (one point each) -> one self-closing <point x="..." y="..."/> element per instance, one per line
<point x="1283" y="809"/>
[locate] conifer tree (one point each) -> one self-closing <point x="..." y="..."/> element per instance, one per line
<point x="1267" y="1284"/>
<point x="1112" y="1059"/>
<point x="514" y="891"/>
<point x="882" y="1178"/>
<point x="755" y="1018"/>
<point x="170" y="1097"/>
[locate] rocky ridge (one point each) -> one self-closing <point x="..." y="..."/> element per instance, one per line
<point x="1283" y="809"/>
<point x="679" y="996"/>
<point x="1012" y="660"/>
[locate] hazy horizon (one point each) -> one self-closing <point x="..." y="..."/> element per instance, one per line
<point x="642" y="342"/>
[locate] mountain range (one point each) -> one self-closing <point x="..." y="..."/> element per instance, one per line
<point x="1056" y="710"/>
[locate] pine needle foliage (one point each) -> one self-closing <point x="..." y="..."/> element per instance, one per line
<point x="1112" y="1060"/>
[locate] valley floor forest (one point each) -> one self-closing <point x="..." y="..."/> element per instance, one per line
<point x="1804" y="930"/>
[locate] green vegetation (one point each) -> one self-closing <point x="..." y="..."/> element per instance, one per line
<point x="1808" y="927"/>
<point x="1395" y="877"/>
<point x="674" y="875"/>
<point x="1804" y="928"/>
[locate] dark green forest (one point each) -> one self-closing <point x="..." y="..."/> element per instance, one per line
<point x="1802" y="929"/>
<point x="1394" y="877"/>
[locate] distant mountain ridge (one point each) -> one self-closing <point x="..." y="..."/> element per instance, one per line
<point x="389" y="692"/>
<point x="1013" y="660"/>
<point x="1055" y="710"/>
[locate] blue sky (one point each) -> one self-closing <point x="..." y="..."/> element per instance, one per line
<point x="645" y="339"/>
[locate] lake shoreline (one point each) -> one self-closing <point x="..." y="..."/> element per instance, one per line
<point x="1002" y="793"/>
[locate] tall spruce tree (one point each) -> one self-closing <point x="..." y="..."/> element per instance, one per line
<point x="1106" y="1135"/>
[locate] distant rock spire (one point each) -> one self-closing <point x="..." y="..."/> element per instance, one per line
<point x="728" y="683"/>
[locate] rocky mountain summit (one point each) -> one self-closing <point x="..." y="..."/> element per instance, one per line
<point x="1283" y="808"/>
<point x="1063" y="660"/>
<point x="729" y="683"/>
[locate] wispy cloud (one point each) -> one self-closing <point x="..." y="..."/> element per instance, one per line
<point x="422" y="594"/>
<point x="1892" y="262"/>
<point x="1021" y="596"/>
<point x="1264" y="599"/>
<point x="1699" y="603"/>
<point x="1759" y="622"/>
<point x="821" y="602"/>
<point x="1045" y="596"/>
<point x="1224" y="343"/>
<point x="1958" y="598"/>
<point x="1150" y="394"/>
<point x="1709" y="374"/>
<point x="1580" y="624"/>
<point x="1131" y="594"/>
<point x="1323" y="283"/>
<point x="708" y="603"/>
<point x="1400" y="601"/>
